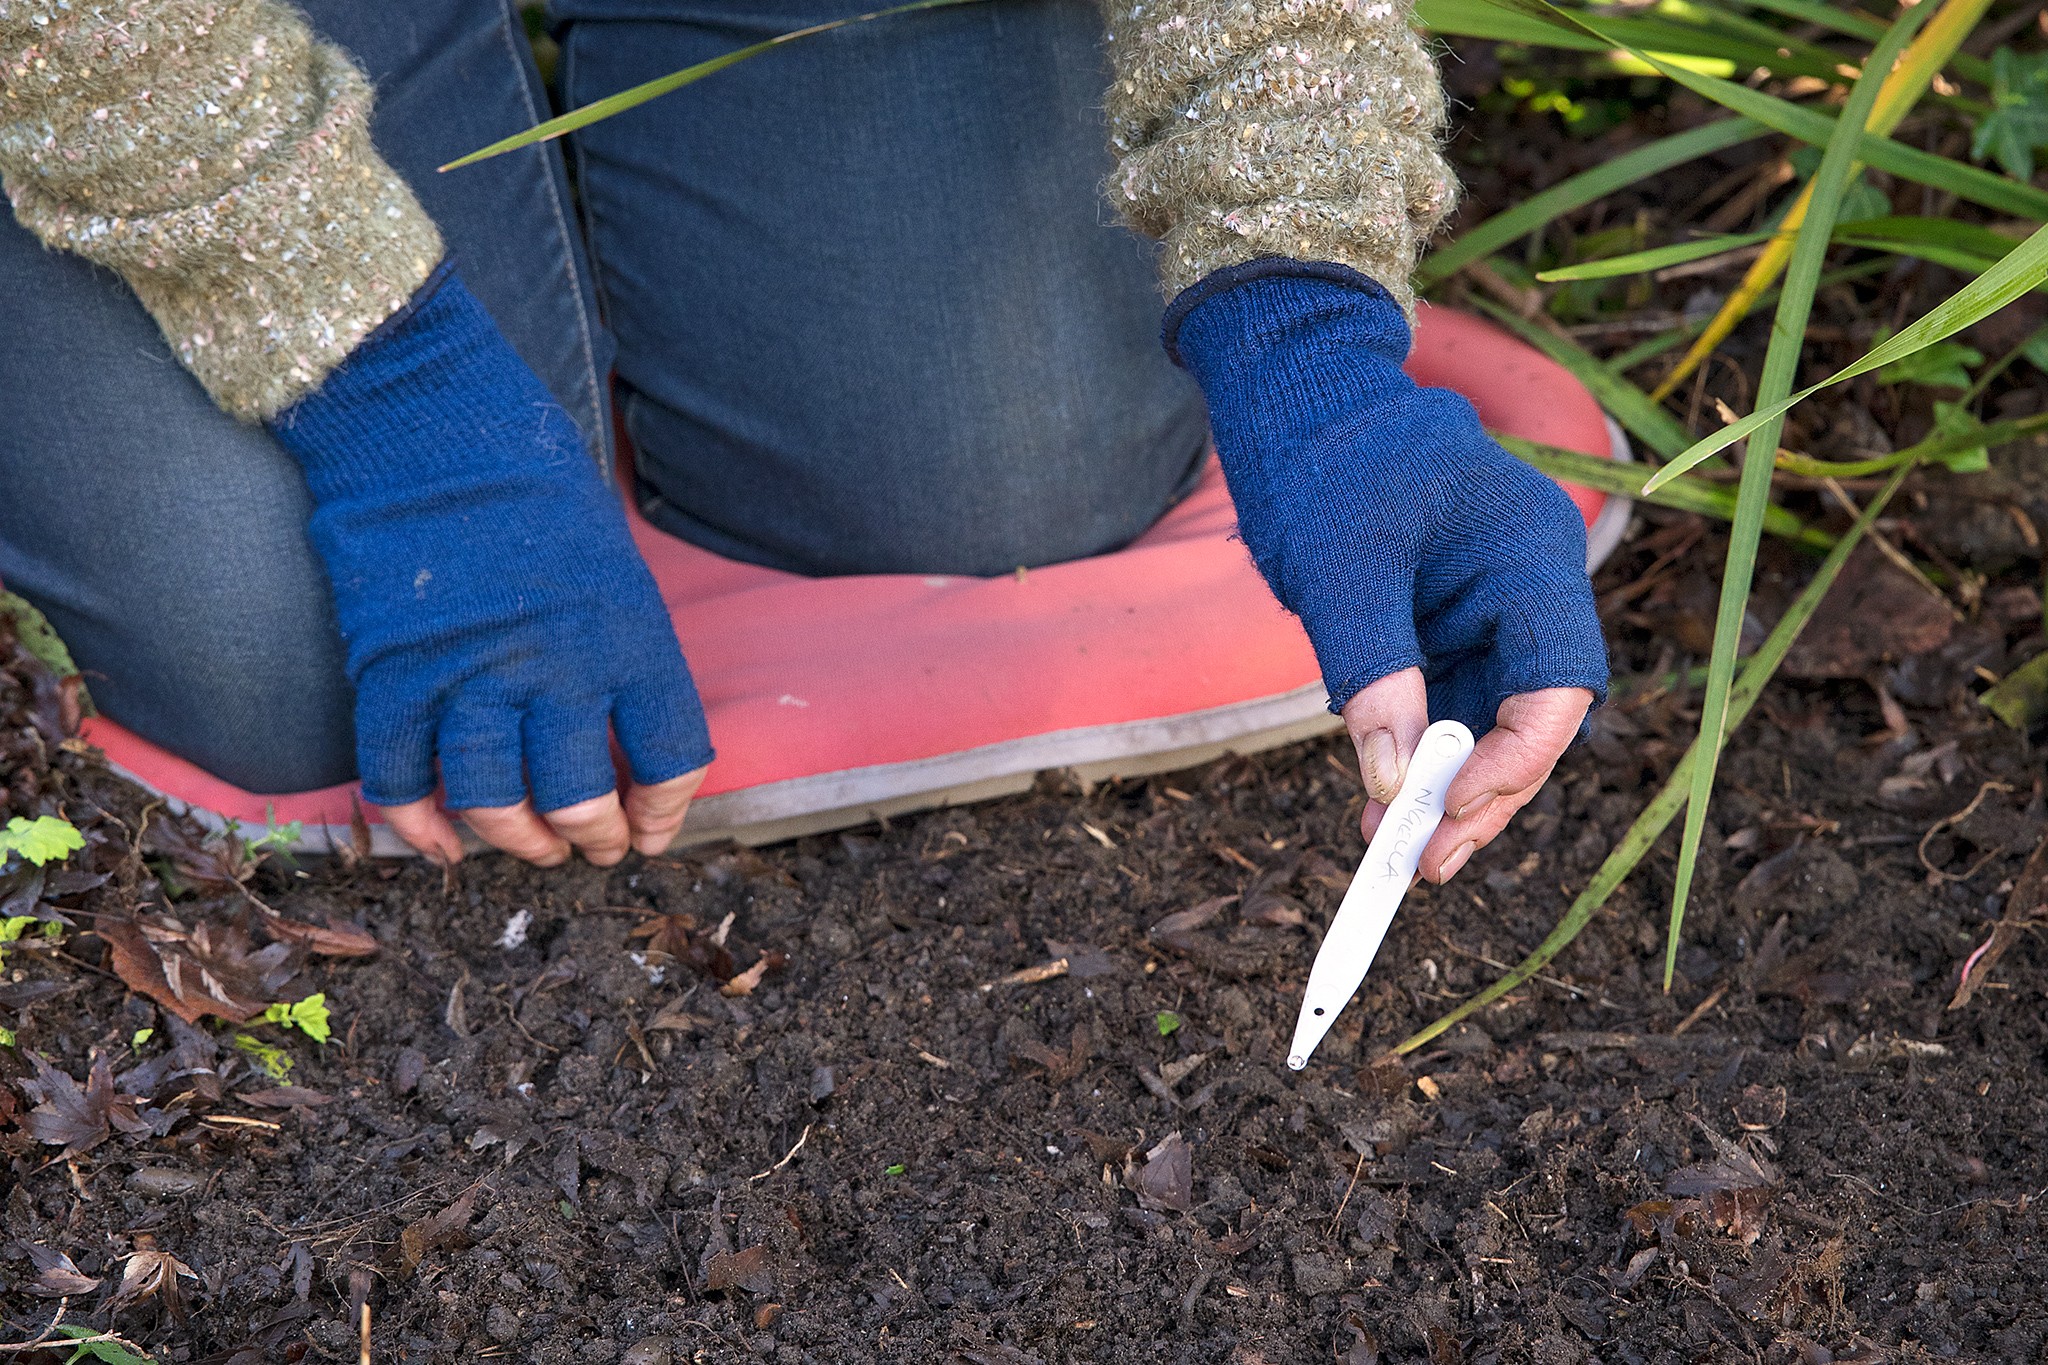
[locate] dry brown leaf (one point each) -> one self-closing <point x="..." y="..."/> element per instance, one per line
<point x="749" y="980"/>
<point x="676" y="938"/>
<point x="152" y="1274"/>
<point x="56" y="1277"/>
<point x="1732" y="1191"/>
<point x="436" y="1231"/>
<point x="78" y="1119"/>
<point x="1181" y="932"/>
<point x="1174" y="1072"/>
<point x="675" y="1017"/>
<point x="336" y="938"/>
<point x="1166" y="1180"/>
<point x="209" y="969"/>
<point x="746" y="1270"/>
<point x="1060" y="1067"/>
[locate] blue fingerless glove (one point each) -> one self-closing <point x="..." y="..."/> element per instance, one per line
<point x="495" y="609"/>
<point x="1378" y="510"/>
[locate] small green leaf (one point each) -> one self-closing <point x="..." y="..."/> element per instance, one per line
<point x="274" y="1060"/>
<point x="142" y="1035"/>
<point x="14" y="926"/>
<point x="2018" y="122"/>
<point x="1944" y="365"/>
<point x="106" y="1352"/>
<point x="1955" y="422"/>
<point x="1166" y="1021"/>
<point x="898" y="1169"/>
<point x="2035" y="349"/>
<point x="6" y="1037"/>
<point x="310" y="1016"/>
<point x="45" y="839"/>
<point x="2021" y="697"/>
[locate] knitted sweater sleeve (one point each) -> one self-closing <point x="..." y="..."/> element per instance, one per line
<point x="216" y="156"/>
<point x="1298" y="128"/>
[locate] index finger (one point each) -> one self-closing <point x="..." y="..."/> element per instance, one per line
<point x="656" y="810"/>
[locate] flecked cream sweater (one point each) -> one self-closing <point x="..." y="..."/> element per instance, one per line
<point x="217" y="156"/>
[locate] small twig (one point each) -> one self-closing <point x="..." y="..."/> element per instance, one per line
<point x="787" y="1157"/>
<point x="1573" y="991"/>
<point x="1699" y="1011"/>
<point x="1028" y="976"/>
<point x="1338" y="1216"/>
<point x="1892" y="552"/>
<point x="1949" y="822"/>
<point x="63" y="1306"/>
<point x="363" y="1349"/>
<point x="49" y="1339"/>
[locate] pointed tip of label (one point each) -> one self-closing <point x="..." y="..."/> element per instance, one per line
<point x="1296" y="1062"/>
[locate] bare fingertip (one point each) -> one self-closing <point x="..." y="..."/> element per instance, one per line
<point x="1461" y="855"/>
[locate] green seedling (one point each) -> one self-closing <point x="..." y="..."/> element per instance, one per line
<point x="309" y="1016"/>
<point x="45" y="839"/>
<point x="275" y="838"/>
<point x="2017" y="125"/>
<point x="274" y="1060"/>
<point x="1167" y="1022"/>
<point x="898" y="1169"/>
<point x="142" y="1035"/>
<point x="15" y="926"/>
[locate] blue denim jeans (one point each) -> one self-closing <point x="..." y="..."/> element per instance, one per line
<point x="870" y="316"/>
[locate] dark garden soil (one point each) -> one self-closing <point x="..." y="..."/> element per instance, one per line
<point x="1009" y="1085"/>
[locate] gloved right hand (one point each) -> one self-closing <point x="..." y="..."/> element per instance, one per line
<point x="1435" y="574"/>
<point x="497" y="615"/>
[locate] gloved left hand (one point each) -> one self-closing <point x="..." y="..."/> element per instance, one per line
<point x="497" y="615"/>
<point x="1436" y="575"/>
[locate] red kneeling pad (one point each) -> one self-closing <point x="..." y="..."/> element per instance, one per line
<point x="834" y="700"/>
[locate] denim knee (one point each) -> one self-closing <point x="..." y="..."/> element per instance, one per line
<point x="165" y="541"/>
<point x="872" y="315"/>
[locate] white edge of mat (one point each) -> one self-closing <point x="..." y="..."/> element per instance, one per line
<point x="776" y="811"/>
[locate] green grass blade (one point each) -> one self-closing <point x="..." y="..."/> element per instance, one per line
<point x="1787" y="55"/>
<point x="1631" y="407"/>
<point x="1656" y="258"/>
<point x="1671" y="798"/>
<point x="1965" y="246"/>
<point x="1838" y="18"/>
<point x="1483" y="239"/>
<point x="1967" y="238"/>
<point x="1685" y="495"/>
<point x="2024" y="269"/>
<point x="1973" y="183"/>
<point x="1856" y="24"/>
<point x="1781" y="365"/>
<point x="675" y="80"/>
<point x="1657" y="345"/>
<point x="1930" y="451"/>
